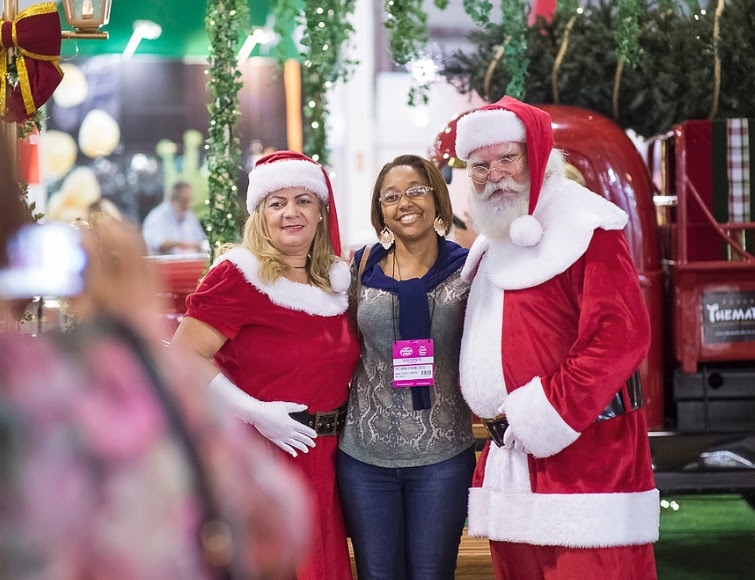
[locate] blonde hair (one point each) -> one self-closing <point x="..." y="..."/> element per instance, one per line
<point x="272" y="266"/>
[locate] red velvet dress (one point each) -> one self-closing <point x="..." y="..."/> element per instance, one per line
<point x="552" y="333"/>
<point x="287" y="342"/>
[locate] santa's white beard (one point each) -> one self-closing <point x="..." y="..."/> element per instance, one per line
<point x="493" y="216"/>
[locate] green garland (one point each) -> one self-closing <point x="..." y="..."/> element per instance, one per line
<point x="327" y="30"/>
<point x="225" y="21"/>
<point x="674" y="77"/>
<point x="514" y="22"/>
<point x="407" y="36"/>
<point x="479" y="11"/>
<point x="628" y="32"/>
<point x="326" y="35"/>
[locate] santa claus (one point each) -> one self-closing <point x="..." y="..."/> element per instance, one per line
<point x="555" y="328"/>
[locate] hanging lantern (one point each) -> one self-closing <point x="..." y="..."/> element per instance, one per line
<point x="87" y="16"/>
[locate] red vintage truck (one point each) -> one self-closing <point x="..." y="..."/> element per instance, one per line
<point x="691" y="235"/>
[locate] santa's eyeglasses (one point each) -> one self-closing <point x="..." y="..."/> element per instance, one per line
<point x="480" y="173"/>
<point x="392" y="197"/>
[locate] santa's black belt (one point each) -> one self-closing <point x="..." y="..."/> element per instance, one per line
<point x="323" y="422"/>
<point x="497" y="426"/>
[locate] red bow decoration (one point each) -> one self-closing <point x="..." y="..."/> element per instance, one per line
<point x="35" y="34"/>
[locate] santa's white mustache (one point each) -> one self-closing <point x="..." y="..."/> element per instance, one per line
<point x="503" y="185"/>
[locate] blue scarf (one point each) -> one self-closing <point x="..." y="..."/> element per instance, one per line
<point x="414" y="316"/>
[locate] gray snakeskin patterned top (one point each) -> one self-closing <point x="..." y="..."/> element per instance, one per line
<point x="382" y="428"/>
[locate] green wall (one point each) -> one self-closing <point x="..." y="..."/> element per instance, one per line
<point x="182" y="22"/>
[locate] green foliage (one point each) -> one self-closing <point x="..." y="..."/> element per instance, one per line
<point x="479" y="10"/>
<point x="673" y="78"/>
<point x="407" y="29"/>
<point x="327" y="31"/>
<point x="226" y="20"/>
<point x="33" y="123"/>
<point x="514" y="23"/>
<point x="569" y="7"/>
<point x="627" y="31"/>
<point x="407" y="36"/>
<point x="285" y="14"/>
<point x="23" y="193"/>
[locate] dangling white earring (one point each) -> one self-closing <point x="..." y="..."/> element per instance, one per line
<point x="320" y="218"/>
<point x="386" y="238"/>
<point x="439" y="226"/>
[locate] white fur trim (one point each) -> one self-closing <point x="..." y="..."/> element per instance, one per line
<point x="590" y="520"/>
<point x="478" y="249"/>
<point x="340" y="276"/>
<point x="487" y="127"/>
<point x="556" y="164"/>
<point x="283" y="174"/>
<point x="526" y="231"/>
<point x="480" y="366"/>
<point x="568" y="214"/>
<point x="284" y="292"/>
<point x="535" y="422"/>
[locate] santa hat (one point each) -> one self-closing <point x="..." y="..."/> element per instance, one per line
<point x="512" y="120"/>
<point x="284" y="169"/>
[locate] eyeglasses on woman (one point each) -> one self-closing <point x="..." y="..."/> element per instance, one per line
<point x="392" y="197"/>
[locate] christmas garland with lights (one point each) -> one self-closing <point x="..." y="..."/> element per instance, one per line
<point x="225" y="21"/>
<point x="325" y="38"/>
<point x="505" y="48"/>
<point x="407" y="36"/>
<point x="327" y="32"/>
<point x="687" y="63"/>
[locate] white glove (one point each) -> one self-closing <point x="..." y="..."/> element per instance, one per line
<point x="511" y="442"/>
<point x="271" y="419"/>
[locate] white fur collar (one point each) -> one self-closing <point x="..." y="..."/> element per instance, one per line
<point x="569" y="214"/>
<point x="284" y="292"/>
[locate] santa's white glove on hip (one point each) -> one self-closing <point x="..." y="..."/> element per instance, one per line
<point x="271" y="419"/>
<point x="511" y="442"/>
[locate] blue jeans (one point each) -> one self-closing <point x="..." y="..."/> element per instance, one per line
<point x="405" y="523"/>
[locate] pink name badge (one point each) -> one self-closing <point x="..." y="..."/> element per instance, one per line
<point x="413" y="363"/>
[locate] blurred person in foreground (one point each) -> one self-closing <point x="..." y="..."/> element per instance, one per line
<point x="555" y="327"/>
<point x="113" y="464"/>
<point x="407" y="452"/>
<point x="172" y="228"/>
<point x="269" y="323"/>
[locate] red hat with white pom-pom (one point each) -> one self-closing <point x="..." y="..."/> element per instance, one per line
<point x="512" y="120"/>
<point x="284" y="169"/>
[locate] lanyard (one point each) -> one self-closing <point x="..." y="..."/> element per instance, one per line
<point x="395" y="266"/>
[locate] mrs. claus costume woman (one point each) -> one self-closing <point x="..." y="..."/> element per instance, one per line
<point x="271" y="315"/>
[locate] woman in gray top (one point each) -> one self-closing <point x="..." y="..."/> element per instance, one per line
<point x="406" y="455"/>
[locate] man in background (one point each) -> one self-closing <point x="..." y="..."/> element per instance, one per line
<point x="172" y="228"/>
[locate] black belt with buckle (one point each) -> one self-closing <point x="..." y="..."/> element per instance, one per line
<point x="323" y="422"/>
<point x="497" y="426"/>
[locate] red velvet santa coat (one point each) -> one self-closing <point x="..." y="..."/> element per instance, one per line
<point x="552" y="332"/>
<point x="288" y="342"/>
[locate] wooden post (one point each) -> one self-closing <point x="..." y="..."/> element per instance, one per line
<point x="9" y="135"/>
<point x="9" y="130"/>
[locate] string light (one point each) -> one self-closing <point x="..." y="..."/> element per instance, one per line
<point x="227" y="21"/>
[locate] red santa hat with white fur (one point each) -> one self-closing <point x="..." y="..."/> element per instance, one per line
<point x="512" y="120"/>
<point x="285" y="169"/>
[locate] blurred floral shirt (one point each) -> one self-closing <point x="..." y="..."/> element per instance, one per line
<point x="95" y="484"/>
